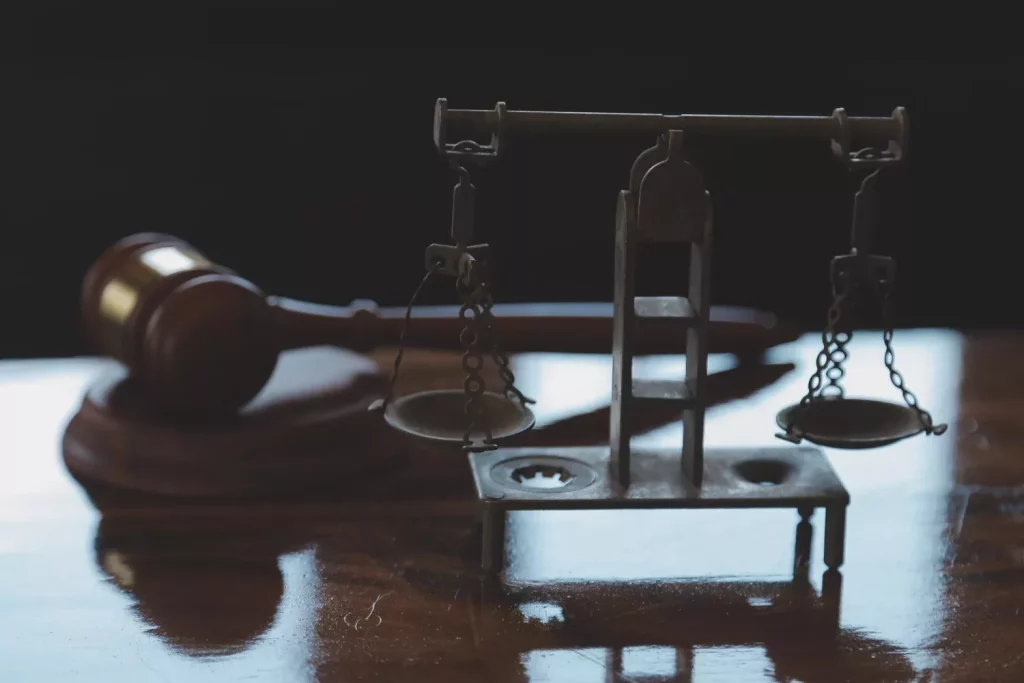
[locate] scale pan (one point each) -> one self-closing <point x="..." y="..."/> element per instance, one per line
<point x="851" y="422"/>
<point x="441" y="416"/>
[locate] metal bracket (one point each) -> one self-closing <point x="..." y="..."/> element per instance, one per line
<point x="452" y="260"/>
<point x="895" y="152"/>
<point x="863" y="269"/>
<point x="671" y="206"/>
<point x="647" y="159"/>
<point x="468" y="150"/>
<point x="860" y="267"/>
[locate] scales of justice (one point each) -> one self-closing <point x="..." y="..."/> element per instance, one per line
<point x="665" y="202"/>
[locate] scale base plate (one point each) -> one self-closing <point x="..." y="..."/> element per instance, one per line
<point x="580" y="478"/>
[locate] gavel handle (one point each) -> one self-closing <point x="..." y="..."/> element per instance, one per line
<point x="551" y="327"/>
<point x="357" y="326"/>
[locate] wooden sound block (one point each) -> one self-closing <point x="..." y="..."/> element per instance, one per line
<point x="307" y="436"/>
<point x="309" y="429"/>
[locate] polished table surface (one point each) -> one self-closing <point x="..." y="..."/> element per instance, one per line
<point x="932" y="588"/>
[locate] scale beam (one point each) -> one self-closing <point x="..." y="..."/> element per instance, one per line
<point x="872" y="128"/>
<point x="888" y="133"/>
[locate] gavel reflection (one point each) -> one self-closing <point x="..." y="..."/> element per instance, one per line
<point x="204" y="341"/>
<point x="203" y="594"/>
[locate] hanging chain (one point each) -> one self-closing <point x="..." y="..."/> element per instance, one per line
<point x="497" y="352"/>
<point x="828" y="364"/>
<point x="473" y="340"/>
<point x="836" y="372"/>
<point x="382" y="404"/>
<point x="478" y="337"/>
<point x="832" y="354"/>
<point x="895" y="376"/>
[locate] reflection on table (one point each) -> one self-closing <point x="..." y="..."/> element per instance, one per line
<point x="930" y="587"/>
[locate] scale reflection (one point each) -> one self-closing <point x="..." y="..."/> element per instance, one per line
<point x="649" y="595"/>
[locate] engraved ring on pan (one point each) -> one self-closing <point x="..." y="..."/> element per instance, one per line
<point x="441" y="416"/>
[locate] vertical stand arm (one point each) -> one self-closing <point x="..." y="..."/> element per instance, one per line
<point x="622" y="344"/>
<point x="697" y="351"/>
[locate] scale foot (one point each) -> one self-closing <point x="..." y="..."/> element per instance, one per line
<point x="835" y="535"/>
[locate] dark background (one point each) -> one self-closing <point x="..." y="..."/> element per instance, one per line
<point x="309" y="168"/>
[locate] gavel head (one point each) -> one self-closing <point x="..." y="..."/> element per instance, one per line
<point x="201" y="339"/>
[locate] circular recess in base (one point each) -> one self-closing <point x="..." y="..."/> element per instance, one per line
<point x="543" y="474"/>
<point x="441" y="416"/>
<point x="851" y="423"/>
<point x="764" y="472"/>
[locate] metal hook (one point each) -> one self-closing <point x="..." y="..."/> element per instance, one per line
<point x="463" y="207"/>
<point x="865" y="213"/>
<point x="860" y="266"/>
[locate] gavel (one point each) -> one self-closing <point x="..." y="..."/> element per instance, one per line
<point x="203" y="341"/>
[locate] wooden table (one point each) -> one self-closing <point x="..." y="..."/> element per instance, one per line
<point x="932" y="588"/>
